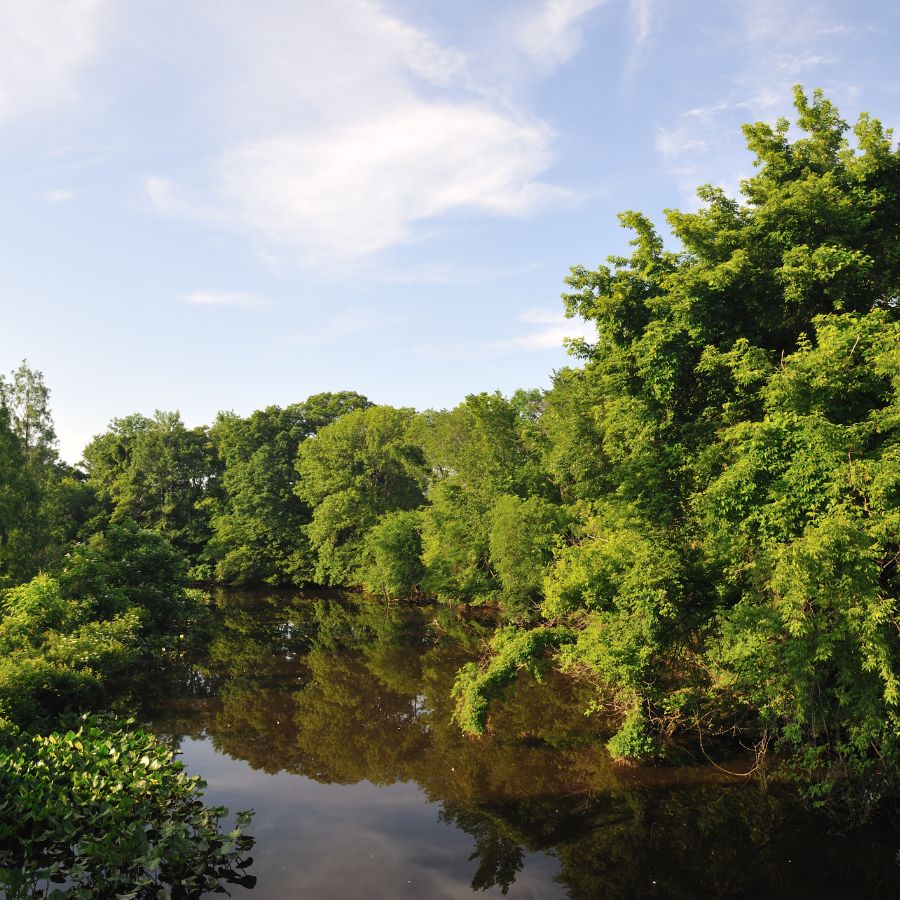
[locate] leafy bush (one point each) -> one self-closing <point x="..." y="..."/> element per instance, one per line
<point x="109" y="812"/>
<point x="127" y="566"/>
<point x="63" y="639"/>
<point x="392" y="551"/>
<point x="523" y="535"/>
<point x="634" y="740"/>
<point x="513" y="651"/>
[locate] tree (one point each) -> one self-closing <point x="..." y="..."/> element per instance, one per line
<point x="392" y="554"/>
<point x="52" y="501"/>
<point x="478" y="452"/>
<point x="26" y="399"/>
<point x="354" y="471"/>
<point x="734" y="567"/>
<point x="523" y="535"/>
<point x="258" y="522"/>
<point x="157" y="472"/>
<point x="17" y="496"/>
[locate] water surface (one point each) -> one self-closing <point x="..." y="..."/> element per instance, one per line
<point x="332" y="720"/>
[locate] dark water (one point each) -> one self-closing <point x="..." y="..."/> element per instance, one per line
<point x="332" y="721"/>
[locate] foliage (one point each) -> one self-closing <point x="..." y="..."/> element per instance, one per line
<point x="803" y="515"/>
<point x="479" y="451"/>
<point x="522" y="539"/>
<point x="357" y="469"/>
<point x="43" y="502"/>
<point x="703" y="521"/>
<point x="109" y="811"/>
<point x="157" y="472"/>
<point x="65" y="639"/>
<point x="17" y="500"/>
<point x="124" y="566"/>
<point x="27" y="400"/>
<point x="512" y="651"/>
<point x="634" y="740"/>
<point x="258" y="521"/>
<point x="735" y="431"/>
<point x="56" y="654"/>
<point x="392" y="551"/>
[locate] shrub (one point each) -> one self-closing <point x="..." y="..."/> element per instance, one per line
<point x="108" y="811"/>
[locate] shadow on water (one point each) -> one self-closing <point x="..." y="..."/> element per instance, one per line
<point x="332" y="719"/>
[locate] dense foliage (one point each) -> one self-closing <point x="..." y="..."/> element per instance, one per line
<point x="702" y="520"/>
<point x="108" y="812"/>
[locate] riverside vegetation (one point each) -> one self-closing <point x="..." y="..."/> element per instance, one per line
<point x="701" y="521"/>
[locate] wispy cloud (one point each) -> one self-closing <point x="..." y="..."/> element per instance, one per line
<point x="361" y="132"/>
<point x="59" y="195"/>
<point x="551" y="33"/>
<point x="772" y="44"/>
<point x="43" y="47"/>
<point x="549" y="330"/>
<point x="642" y="16"/>
<point x="345" y="325"/>
<point x="364" y="186"/>
<point x="223" y="298"/>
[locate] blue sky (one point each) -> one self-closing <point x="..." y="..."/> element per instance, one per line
<point x="222" y="204"/>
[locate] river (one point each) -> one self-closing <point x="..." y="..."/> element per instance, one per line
<point x="331" y="718"/>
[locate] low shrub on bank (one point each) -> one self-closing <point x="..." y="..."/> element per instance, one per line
<point x="104" y="810"/>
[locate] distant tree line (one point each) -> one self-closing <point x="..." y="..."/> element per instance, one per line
<point x="703" y="518"/>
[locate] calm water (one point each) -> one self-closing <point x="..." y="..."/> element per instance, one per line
<point x="332" y="721"/>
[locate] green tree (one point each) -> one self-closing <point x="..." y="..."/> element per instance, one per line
<point x="734" y="566"/>
<point x="258" y="521"/>
<point x="27" y="400"/>
<point x="159" y="473"/>
<point x="358" y="468"/>
<point x="522" y="539"/>
<point x="53" y="502"/>
<point x="481" y="450"/>
<point x="392" y="554"/>
<point x="17" y="496"/>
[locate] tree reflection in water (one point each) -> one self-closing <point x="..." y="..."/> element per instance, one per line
<point x="342" y="692"/>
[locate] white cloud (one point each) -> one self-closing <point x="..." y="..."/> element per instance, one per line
<point x="551" y="33"/>
<point x="355" y="131"/>
<point x="550" y="330"/>
<point x="42" y="48"/>
<point x="59" y="195"/>
<point x="363" y="187"/>
<point x="642" y="17"/>
<point x="222" y="298"/>
<point x="344" y="325"/>
<point x="553" y="328"/>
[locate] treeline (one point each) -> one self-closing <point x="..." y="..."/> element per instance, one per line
<point x="703" y="518"/>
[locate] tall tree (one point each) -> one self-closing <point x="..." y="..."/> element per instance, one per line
<point x="17" y="490"/>
<point x="54" y="503"/>
<point x="157" y="472"/>
<point x="360" y="467"/>
<point x="258" y="522"/>
<point x="735" y="567"/>
<point x="477" y="453"/>
<point x="27" y="401"/>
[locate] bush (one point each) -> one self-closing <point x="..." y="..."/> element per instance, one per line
<point x="523" y="534"/>
<point x="634" y="742"/>
<point x="392" y="550"/>
<point x="108" y="812"/>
